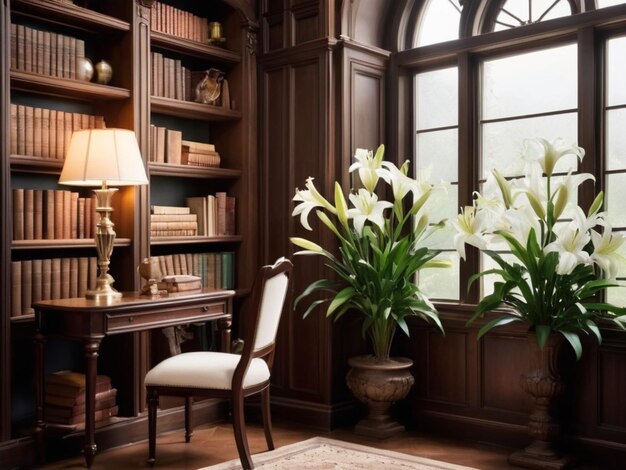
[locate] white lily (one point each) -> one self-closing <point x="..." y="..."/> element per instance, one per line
<point x="570" y="245"/>
<point x="309" y="199"/>
<point x="367" y="163"/>
<point x="605" y="250"/>
<point x="518" y="222"/>
<point x="367" y="207"/>
<point x="401" y="184"/>
<point x="547" y="154"/>
<point x="567" y="188"/>
<point x="469" y="229"/>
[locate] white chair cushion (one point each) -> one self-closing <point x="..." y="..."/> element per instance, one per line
<point x="205" y="370"/>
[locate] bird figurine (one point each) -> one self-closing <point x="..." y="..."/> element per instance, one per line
<point x="209" y="88"/>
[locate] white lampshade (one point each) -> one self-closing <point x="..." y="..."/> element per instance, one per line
<point x="95" y="156"/>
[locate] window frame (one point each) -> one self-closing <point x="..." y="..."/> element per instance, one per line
<point x="589" y="29"/>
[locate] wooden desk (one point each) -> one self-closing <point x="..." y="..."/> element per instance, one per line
<point x="90" y="321"/>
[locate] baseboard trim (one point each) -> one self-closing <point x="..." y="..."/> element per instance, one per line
<point x="318" y="416"/>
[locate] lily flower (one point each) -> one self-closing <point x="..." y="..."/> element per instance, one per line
<point x="547" y="154"/>
<point x="605" y="252"/>
<point x="401" y="184"/>
<point x="367" y="207"/>
<point x="469" y="229"/>
<point x="570" y="245"/>
<point x="310" y="199"/>
<point x="367" y="164"/>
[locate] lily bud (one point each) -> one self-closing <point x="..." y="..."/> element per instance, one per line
<point x="596" y="205"/>
<point x="306" y="244"/>
<point x="341" y="205"/>
<point x="536" y="205"/>
<point x="561" y="201"/>
<point x="505" y="189"/>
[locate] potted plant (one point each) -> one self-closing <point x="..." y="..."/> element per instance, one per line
<point x="559" y="261"/>
<point x="381" y="247"/>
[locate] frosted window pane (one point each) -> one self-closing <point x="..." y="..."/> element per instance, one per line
<point x="616" y="199"/>
<point x="442" y="239"/>
<point x="617" y="295"/>
<point x="488" y="281"/>
<point x="438" y="151"/>
<point x="616" y="139"/>
<point x="533" y="82"/>
<point x="502" y="141"/>
<point x="616" y="71"/>
<point x="442" y="283"/>
<point x="436" y="95"/>
<point x="609" y="3"/>
<point x="621" y="270"/>
<point x="439" y="22"/>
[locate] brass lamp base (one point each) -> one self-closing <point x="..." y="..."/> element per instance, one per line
<point x="105" y="238"/>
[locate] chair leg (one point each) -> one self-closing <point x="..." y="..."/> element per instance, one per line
<point x="153" y="402"/>
<point x="239" y="428"/>
<point x="188" y="426"/>
<point x="267" y="417"/>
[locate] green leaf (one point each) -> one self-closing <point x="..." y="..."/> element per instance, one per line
<point x="574" y="340"/>
<point x="543" y="333"/>
<point x="497" y="322"/>
<point x="320" y="284"/>
<point x="341" y="298"/>
<point x="591" y="326"/>
<point x="312" y="306"/>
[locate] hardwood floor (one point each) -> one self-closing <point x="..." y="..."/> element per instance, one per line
<point x="214" y="444"/>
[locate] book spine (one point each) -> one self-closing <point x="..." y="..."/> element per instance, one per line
<point x="46" y="279"/>
<point x="13" y="129"/>
<point x="45" y="133"/>
<point x="37" y="131"/>
<point x="37" y="276"/>
<point x="27" y="286"/>
<point x="56" y="279"/>
<point x="38" y="214"/>
<point x="18" y="214"/>
<point x="65" y="278"/>
<point x="16" y="288"/>
<point x="21" y="129"/>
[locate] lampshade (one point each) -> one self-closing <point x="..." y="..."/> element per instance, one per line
<point x="95" y="156"/>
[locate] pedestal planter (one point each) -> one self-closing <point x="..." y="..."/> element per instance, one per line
<point x="544" y="383"/>
<point x="379" y="384"/>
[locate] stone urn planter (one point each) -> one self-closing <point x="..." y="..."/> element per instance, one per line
<point x="379" y="383"/>
<point x="544" y="383"/>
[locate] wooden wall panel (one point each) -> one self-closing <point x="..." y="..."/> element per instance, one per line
<point x="612" y="394"/>
<point x="367" y="108"/>
<point x="503" y="359"/>
<point x="447" y="368"/>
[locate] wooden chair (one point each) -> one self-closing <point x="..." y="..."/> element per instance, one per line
<point x="225" y="375"/>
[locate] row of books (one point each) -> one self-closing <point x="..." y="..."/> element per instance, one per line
<point x="216" y="270"/>
<point x="45" y="52"/>
<point x="65" y="398"/>
<point x="215" y="214"/>
<point x="170" y="20"/>
<point x="50" y="278"/>
<point x="167" y="146"/>
<point x="52" y="214"/>
<point x="43" y="132"/>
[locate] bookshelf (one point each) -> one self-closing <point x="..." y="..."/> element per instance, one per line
<point x="116" y="31"/>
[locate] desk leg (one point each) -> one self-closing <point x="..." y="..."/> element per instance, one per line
<point x="223" y="326"/>
<point x="91" y="368"/>
<point x="39" y="396"/>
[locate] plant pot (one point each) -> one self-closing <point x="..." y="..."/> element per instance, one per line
<point x="379" y="384"/>
<point x="544" y="383"/>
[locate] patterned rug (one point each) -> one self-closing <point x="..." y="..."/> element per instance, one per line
<point x="319" y="453"/>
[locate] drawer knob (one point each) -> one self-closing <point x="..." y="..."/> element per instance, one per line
<point x="131" y="319"/>
<point x="205" y="308"/>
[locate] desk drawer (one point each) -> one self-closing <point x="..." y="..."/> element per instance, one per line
<point x="166" y="317"/>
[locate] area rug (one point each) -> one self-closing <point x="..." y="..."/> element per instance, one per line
<point x="319" y="453"/>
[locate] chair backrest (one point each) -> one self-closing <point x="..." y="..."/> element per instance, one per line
<point x="267" y="300"/>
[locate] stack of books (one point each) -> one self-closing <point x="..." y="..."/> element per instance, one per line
<point x="171" y="221"/>
<point x="182" y="283"/>
<point x="65" y="398"/>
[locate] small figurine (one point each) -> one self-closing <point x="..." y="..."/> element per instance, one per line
<point x="209" y="88"/>
<point x="150" y="270"/>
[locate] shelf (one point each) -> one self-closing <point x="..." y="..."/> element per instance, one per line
<point x="189" y="171"/>
<point x="192" y="110"/>
<point x="35" y="164"/>
<point x="69" y="15"/>
<point x="62" y="243"/>
<point x="193" y="48"/>
<point x="65" y="87"/>
<point x="194" y="240"/>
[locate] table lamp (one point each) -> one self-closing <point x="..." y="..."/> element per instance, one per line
<point x="103" y="157"/>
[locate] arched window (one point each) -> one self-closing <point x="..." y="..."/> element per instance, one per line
<point x="439" y="22"/>
<point x="520" y="80"/>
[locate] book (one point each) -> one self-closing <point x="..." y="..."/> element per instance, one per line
<point x="16" y="288"/>
<point x="83" y="275"/>
<point x="52" y="134"/>
<point x="37" y="131"/>
<point x="29" y="137"/>
<point x="65" y="278"/>
<point x="230" y="216"/>
<point x="48" y="213"/>
<point x="182" y="283"/>
<point x="173" y="147"/>
<point x="37" y="271"/>
<point x="198" y="207"/>
<point x="220" y="198"/>
<point x="27" y="287"/>
<point x="45" y="133"/>
<point x="73" y="277"/>
<point x="46" y="279"/>
<point x="160" y="144"/>
<point x="38" y="214"/>
<point x="99" y="415"/>
<point x="57" y="411"/>
<point x="169" y="210"/>
<point x="21" y="129"/>
<point x="71" y="383"/>
<point x="56" y="279"/>
<point x="29" y="214"/>
<point x="67" y="214"/>
<point x="58" y="214"/>
<point x="13" y="128"/>
<point x="18" y="214"/>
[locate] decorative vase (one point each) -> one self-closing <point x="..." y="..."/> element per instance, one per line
<point x="544" y="383"/>
<point x="104" y="72"/>
<point x="84" y="69"/>
<point x="379" y="384"/>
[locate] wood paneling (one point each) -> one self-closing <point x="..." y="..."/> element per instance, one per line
<point x="612" y="386"/>
<point x="447" y="369"/>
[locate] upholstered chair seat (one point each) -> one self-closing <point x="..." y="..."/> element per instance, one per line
<point x="205" y="370"/>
